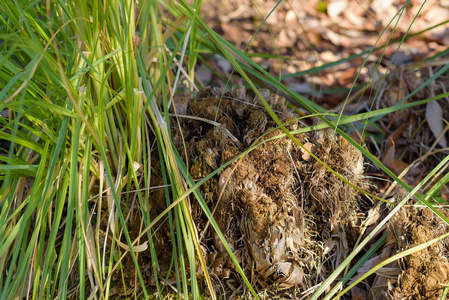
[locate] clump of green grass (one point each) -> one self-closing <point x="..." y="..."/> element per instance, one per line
<point x="88" y="103"/>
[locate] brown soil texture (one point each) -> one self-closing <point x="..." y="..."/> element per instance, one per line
<point x="288" y="219"/>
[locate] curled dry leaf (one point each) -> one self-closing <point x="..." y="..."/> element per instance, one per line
<point x="290" y="275"/>
<point x="394" y="164"/>
<point x="136" y="249"/>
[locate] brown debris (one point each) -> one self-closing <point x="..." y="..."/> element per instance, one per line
<point x="314" y="32"/>
<point x="282" y="212"/>
<point x="414" y="143"/>
<point x="424" y="273"/>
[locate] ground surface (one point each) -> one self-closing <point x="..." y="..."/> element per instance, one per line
<point x="308" y="34"/>
<point x="289" y="221"/>
<point x="410" y="142"/>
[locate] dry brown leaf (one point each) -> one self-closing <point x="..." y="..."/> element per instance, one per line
<point x="292" y="274"/>
<point x="137" y="248"/>
<point x="262" y="260"/>
<point x="393" y="138"/>
<point x="358" y="293"/>
<point x="373" y="216"/>
<point x="394" y="164"/>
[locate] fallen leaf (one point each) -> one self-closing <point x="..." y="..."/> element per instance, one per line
<point x="291" y="275"/>
<point x="204" y="74"/>
<point x="305" y="155"/>
<point x="136" y="248"/>
<point x="393" y="138"/>
<point x="394" y="164"/>
<point x="223" y="64"/>
<point x="336" y="8"/>
<point x="434" y="117"/>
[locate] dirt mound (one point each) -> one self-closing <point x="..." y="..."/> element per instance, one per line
<point x="285" y="215"/>
<point x="424" y="273"/>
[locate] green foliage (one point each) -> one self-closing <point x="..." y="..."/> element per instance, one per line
<point x="84" y="98"/>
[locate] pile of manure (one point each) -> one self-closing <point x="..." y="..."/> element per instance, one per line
<point x="288" y="219"/>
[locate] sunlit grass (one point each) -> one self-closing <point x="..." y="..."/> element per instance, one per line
<point x="88" y="87"/>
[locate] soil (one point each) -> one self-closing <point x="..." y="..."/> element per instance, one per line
<point x="289" y="220"/>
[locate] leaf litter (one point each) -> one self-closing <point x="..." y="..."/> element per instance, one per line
<point x="415" y="144"/>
